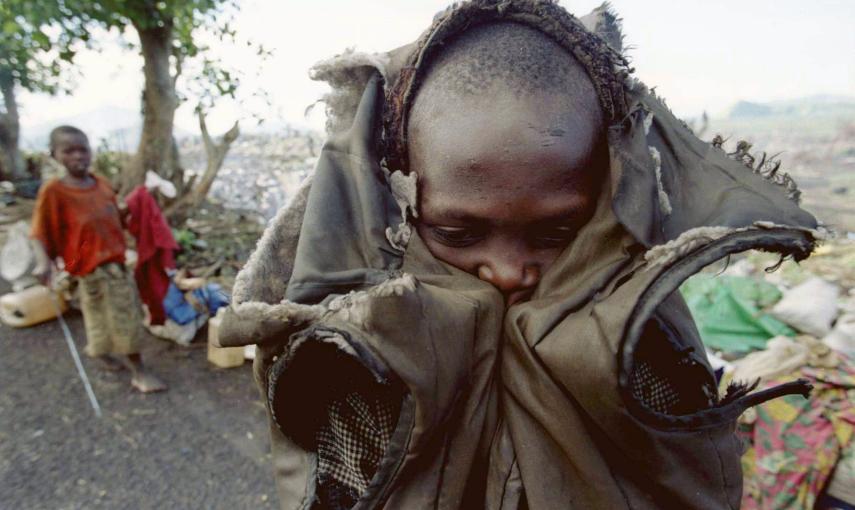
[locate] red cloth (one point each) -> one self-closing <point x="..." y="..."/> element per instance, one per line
<point x="81" y="225"/>
<point x="155" y="246"/>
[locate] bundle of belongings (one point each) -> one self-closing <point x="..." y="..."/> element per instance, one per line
<point x="155" y="246"/>
<point x="395" y="380"/>
<point x="188" y="304"/>
<point x="177" y="304"/>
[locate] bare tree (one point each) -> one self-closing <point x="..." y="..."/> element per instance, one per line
<point x="215" y="152"/>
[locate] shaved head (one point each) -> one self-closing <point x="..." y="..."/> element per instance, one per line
<point x="510" y="60"/>
<point x="64" y="130"/>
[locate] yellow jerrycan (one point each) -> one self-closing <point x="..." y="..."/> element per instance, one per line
<point x="30" y="306"/>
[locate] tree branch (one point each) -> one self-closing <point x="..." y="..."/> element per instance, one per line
<point x="206" y="137"/>
<point x="179" y="67"/>
<point x="216" y="154"/>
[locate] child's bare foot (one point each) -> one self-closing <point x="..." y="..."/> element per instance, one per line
<point x="145" y="382"/>
<point x="109" y="363"/>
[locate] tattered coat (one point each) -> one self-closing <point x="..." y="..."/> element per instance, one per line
<point x="595" y="393"/>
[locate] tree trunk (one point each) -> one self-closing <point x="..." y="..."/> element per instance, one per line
<point x="215" y="155"/>
<point x="156" y="151"/>
<point x="11" y="161"/>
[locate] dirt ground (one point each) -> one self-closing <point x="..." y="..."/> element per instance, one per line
<point x="202" y="444"/>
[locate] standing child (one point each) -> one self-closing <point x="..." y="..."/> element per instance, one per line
<point x="77" y="218"/>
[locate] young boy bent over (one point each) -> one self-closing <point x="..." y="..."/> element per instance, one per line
<point x="472" y="304"/>
<point x="77" y="218"/>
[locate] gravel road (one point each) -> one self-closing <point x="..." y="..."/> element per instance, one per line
<point x="203" y="444"/>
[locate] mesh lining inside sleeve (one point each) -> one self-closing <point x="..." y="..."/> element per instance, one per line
<point x="668" y="381"/>
<point x="655" y="391"/>
<point x="351" y="445"/>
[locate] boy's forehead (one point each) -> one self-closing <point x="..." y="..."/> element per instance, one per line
<point x="467" y="128"/>
<point x="71" y="139"/>
<point x="499" y="96"/>
<point x="504" y="151"/>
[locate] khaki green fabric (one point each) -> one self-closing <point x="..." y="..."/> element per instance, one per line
<point x="596" y="393"/>
<point x="111" y="311"/>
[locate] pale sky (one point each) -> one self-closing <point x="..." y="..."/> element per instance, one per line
<point x="700" y="55"/>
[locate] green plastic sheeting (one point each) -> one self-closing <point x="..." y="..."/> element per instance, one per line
<point x="728" y="311"/>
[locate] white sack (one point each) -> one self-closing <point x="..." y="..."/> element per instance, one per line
<point x="842" y="337"/>
<point x="810" y="307"/>
<point x="17" y="257"/>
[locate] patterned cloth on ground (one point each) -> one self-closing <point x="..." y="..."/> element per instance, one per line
<point x="796" y="442"/>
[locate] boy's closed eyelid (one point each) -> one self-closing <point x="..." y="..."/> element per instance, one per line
<point x="456" y="237"/>
<point x="553" y="236"/>
<point x="457" y="230"/>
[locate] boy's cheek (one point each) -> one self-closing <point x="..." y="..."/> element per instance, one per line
<point x="438" y="250"/>
<point x="461" y="258"/>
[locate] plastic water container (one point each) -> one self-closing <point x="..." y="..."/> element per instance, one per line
<point x="30" y="306"/>
<point x="223" y="357"/>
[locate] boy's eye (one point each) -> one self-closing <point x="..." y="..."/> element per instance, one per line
<point x="456" y="237"/>
<point x="553" y="237"/>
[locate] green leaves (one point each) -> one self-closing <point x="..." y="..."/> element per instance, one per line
<point x="42" y="40"/>
<point x="10" y="27"/>
<point x="36" y="44"/>
<point x="39" y="40"/>
<point x="186" y="22"/>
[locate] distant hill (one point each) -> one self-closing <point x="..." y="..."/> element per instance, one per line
<point x="780" y="125"/>
<point x="120" y="127"/>
<point x="812" y="106"/>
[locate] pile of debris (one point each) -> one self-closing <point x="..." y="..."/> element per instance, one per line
<point x="260" y="172"/>
<point x="765" y="328"/>
<point x="217" y="241"/>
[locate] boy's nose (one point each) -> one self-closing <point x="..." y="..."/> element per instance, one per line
<point x="510" y="276"/>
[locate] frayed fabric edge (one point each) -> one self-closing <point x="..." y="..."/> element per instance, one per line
<point x="333" y="338"/>
<point x="664" y="201"/>
<point x="404" y="190"/>
<point x="766" y="166"/>
<point x="352" y="307"/>
<point x="606" y="23"/>
<point x="690" y="240"/>
<point x="325" y="69"/>
<point x="346" y="75"/>
<point x="287" y="312"/>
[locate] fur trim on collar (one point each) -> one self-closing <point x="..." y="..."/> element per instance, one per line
<point x="347" y="75"/>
